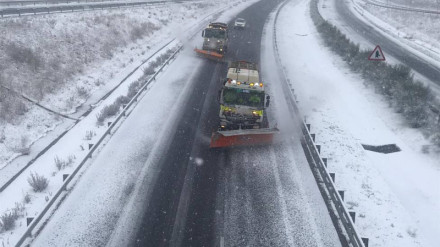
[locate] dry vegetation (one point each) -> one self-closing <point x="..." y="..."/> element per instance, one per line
<point x="407" y="96"/>
<point x="39" y="55"/>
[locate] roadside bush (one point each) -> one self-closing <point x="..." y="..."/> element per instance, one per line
<point x="108" y="111"/>
<point x="82" y="92"/>
<point x="133" y="89"/>
<point x="435" y="139"/>
<point x="89" y="135"/>
<point x="27" y="198"/>
<point x="121" y="100"/>
<point x="149" y="70"/>
<point x="24" y="55"/>
<point x="8" y="221"/>
<point x="136" y="33"/>
<point x="37" y="182"/>
<point x="24" y="148"/>
<point x="59" y="163"/>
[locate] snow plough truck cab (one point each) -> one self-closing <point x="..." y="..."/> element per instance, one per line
<point x="243" y="103"/>
<point x="215" y="41"/>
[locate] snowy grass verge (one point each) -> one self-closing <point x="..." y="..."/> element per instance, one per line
<point x="112" y="109"/>
<point x="41" y="182"/>
<point x="342" y="221"/>
<point x="48" y="163"/>
<point x="64" y="61"/>
<point x="396" y="83"/>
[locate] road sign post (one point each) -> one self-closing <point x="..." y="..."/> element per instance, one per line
<point x="376" y="54"/>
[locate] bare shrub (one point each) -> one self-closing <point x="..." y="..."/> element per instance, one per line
<point x="133" y="89"/>
<point x="121" y="100"/>
<point x="21" y="54"/>
<point x="107" y="111"/>
<point x="412" y="232"/>
<point x="18" y="209"/>
<point x="27" y="198"/>
<point x="89" y="135"/>
<point x="435" y="139"/>
<point x="2" y="135"/>
<point x="98" y="82"/>
<point x="164" y="22"/>
<point x="144" y="29"/>
<point x="149" y="70"/>
<point x="20" y="108"/>
<point x="59" y="163"/>
<point x="136" y="33"/>
<point x="37" y="182"/>
<point x="100" y="118"/>
<point x="8" y="221"/>
<point x="24" y="149"/>
<point x="70" y="160"/>
<point x="82" y="92"/>
<point x="70" y="102"/>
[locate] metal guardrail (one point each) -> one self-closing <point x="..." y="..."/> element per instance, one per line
<point x="12" y="179"/>
<point x="124" y="113"/>
<point x="71" y="8"/>
<point x="35" y="2"/>
<point x="330" y="195"/>
<point x="404" y="8"/>
<point x="333" y="196"/>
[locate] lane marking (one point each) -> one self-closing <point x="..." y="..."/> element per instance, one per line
<point x="287" y="226"/>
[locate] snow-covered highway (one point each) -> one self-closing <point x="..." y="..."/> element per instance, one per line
<point x="187" y="193"/>
<point x="154" y="181"/>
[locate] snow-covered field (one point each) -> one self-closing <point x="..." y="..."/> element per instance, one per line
<point x="74" y="144"/>
<point x="396" y="196"/>
<point x="88" y="51"/>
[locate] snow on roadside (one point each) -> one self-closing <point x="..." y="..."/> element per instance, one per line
<point x="297" y="186"/>
<point x="416" y="30"/>
<point x="396" y="196"/>
<point x="74" y="145"/>
<point x="100" y="73"/>
<point x="99" y="78"/>
<point x="124" y="156"/>
<point x="422" y="45"/>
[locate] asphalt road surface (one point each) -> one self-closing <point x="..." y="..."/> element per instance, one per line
<point x="225" y="197"/>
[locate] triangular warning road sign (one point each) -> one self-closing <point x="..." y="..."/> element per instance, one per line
<point x="377" y="54"/>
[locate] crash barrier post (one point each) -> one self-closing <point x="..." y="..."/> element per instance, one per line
<point x="343" y="222"/>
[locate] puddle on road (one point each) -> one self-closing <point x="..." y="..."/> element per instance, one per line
<point x="385" y="149"/>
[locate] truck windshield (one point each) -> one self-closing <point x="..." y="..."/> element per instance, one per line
<point x="215" y="33"/>
<point x="236" y="96"/>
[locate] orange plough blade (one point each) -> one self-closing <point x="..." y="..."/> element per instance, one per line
<point x="230" y="138"/>
<point x="209" y="54"/>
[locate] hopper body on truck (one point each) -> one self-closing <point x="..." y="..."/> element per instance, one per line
<point x="215" y="41"/>
<point x="243" y="102"/>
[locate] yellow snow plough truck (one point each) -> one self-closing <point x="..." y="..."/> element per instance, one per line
<point x="243" y="103"/>
<point x="215" y="41"/>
